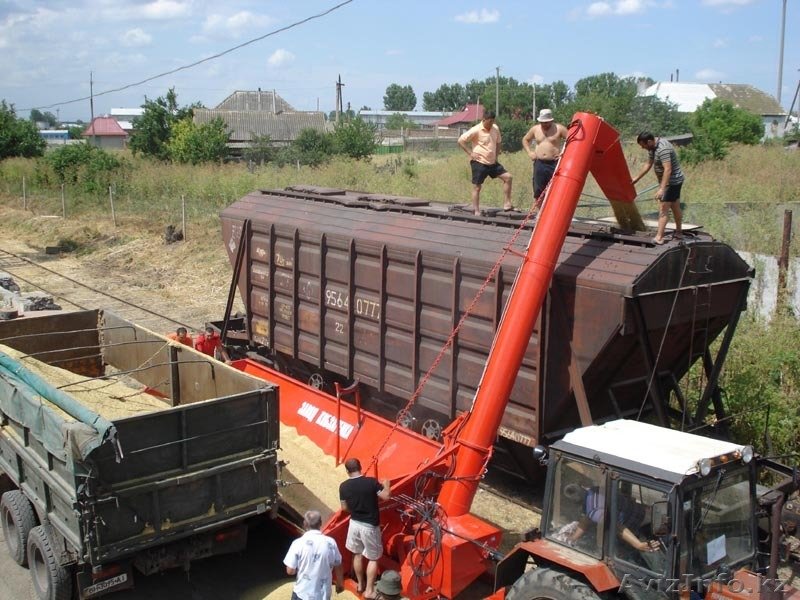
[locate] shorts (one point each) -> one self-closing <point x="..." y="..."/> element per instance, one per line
<point x="673" y="193"/>
<point x="481" y="171"/>
<point x="363" y="538"/>
<point x="542" y="174"/>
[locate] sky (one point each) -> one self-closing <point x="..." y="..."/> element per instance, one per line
<point x="48" y="48"/>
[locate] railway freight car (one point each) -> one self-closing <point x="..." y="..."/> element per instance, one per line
<point x="341" y="285"/>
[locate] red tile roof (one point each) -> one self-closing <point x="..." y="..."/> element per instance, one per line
<point x="471" y="113"/>
<point x="104" y="126"/>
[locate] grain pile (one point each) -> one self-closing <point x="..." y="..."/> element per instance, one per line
<point x="114" y="398"/>
<point x="314" y="476"/>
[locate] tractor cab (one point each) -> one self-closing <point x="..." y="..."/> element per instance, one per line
<point x="652" y="503"/>
<point x="641" y="511"/>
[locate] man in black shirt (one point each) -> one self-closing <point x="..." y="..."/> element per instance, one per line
<point x="359" y="496"/>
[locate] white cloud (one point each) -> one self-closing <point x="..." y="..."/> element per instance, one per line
<point x="235" y="24"/>
<point x="720" y="43"/>
<point x="479" y="17"/>
<point x="536" y="79"/>
<point x="136" y="37"/>
<point x="709" y="75"/>
<point x="618" y="7"/>
<point x="165" y="9"/>
<point x="280" y="58"/>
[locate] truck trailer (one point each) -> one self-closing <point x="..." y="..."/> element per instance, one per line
<point x="122" y="449"/>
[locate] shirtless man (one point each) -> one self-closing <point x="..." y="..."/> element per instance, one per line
<point x="549" y="137"/>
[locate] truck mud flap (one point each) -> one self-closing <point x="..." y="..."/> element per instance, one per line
<point x="112" y="578"/>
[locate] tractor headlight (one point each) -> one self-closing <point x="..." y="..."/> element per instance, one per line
<point x="704" y="466"/>
<point x="747" y="454"/>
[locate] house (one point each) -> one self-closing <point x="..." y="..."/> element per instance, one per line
<point x="461" y="121"/>
<point x="689" y="96"/>
<point x="125" y="116"/>
<point x="424" y="119"/>
<point x="105" y="132"/>
<point x="243" y="125"/>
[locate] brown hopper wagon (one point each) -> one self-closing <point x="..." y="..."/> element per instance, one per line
<point x="341" y="285"/>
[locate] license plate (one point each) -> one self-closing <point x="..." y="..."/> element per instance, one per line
<point x="106" y="584"/>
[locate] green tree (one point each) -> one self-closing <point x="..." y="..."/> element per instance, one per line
<point x="18" y="137"/>
<point x="446" y="98"/>
<point x="650" y="113"/>
<point x="196" y="144"/>
<point x="261" y="149"/>
<point x="399" y="97"/>
<point x="152" y="130"/>
<point x="311" y="147"/>
<point x="76" y="132"/>
<point x="354" y="138"/>
<point x="48" y="118"/>
<point x="723" y="121"/>
<point x="607" y="95"/>
<point x="512" y="130"/>
<point x="92" y="169"/>
<point x="400" y="121"/>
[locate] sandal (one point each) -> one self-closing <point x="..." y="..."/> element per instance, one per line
<point x="658" y="242"/>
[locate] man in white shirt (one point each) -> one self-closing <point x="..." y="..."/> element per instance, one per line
<point x="312" y="557"/>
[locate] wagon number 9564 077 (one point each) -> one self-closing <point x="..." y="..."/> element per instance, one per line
<point x="363" y="306"/>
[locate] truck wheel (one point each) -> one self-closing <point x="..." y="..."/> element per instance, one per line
<point x="18" y="520"/>
<point x="548" y="584"/>
<point x="50" y="581"/>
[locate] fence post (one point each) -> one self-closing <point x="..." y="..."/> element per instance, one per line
<point x="783" y="260"/>
<point x="111" y="199"/>
<point x="24" y="195"/>
<point x="63" y="203"/>
<point x="183" y="216"/>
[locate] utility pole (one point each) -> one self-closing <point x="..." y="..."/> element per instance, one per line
<point x="497" y="93"/>
<point x="780" y="53"/>
<point x="91" y="108"/>
<point x="533" y="114"/>
<point x="339" y="86"/>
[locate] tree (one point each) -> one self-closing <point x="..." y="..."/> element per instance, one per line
<point x="445" y="98"/>
<point x="18" y="137"/>
<point x="76" y="132"/>
<point x="152" y="130"/>
<point x="48" y="118"/>
<point x="650" y="113"/>
<point x="399" y="98"/>
<point x="720" y="119"/>
<point x="261" y="150"/>
<point x="355" y="138"/>
<point x="512" y="130"/>
<point x="607" y="95"/>
<point x="195" y="144"/>
<point x="400" y="121"/>
<point x="311" y="147"/>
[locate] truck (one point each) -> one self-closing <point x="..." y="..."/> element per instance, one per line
<point x="121" y="449"/>
<point x="693" y="508"/>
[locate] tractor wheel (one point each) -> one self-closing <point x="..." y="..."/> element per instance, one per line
<point x="49" y="580"/>
<point x="547" y="584"/>
<point x="18" y="520"/>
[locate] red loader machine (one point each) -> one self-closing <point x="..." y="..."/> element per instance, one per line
<point x="440" y="549"/>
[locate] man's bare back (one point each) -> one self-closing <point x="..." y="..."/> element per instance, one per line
<point x="549" y="138"/>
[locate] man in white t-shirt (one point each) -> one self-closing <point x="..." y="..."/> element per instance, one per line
<point x="312" y="557"/>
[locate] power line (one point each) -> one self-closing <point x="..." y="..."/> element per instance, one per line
<point x="199" y="62"/>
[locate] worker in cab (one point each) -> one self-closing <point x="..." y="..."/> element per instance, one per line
<point x="208" y="342"/>
<point x="181" y="335"/>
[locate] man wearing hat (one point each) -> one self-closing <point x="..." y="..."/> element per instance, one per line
<point x="549" y="137"/>
<point x="390" y="586"/>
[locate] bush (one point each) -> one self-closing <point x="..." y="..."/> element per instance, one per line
<point x="91" y="168"/>
<point x="512" y="131"/>
<point x="17" y="136"/>
<point x="354" y="138"/>
<point x="197" y="144"/>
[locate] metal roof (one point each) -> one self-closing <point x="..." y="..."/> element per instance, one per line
<point x="244" y="124"/>
<point x="471" y="112"/>
<point x="689" y="96"/>
<point x="658" y="448"/>
<point x="255" y="101"/>
<point x="104" y="126"/>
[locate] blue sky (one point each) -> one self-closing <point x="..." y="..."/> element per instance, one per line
<point x="48" y="48"/>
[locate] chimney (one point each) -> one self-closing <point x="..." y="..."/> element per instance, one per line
<point x="677" y="75"/>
